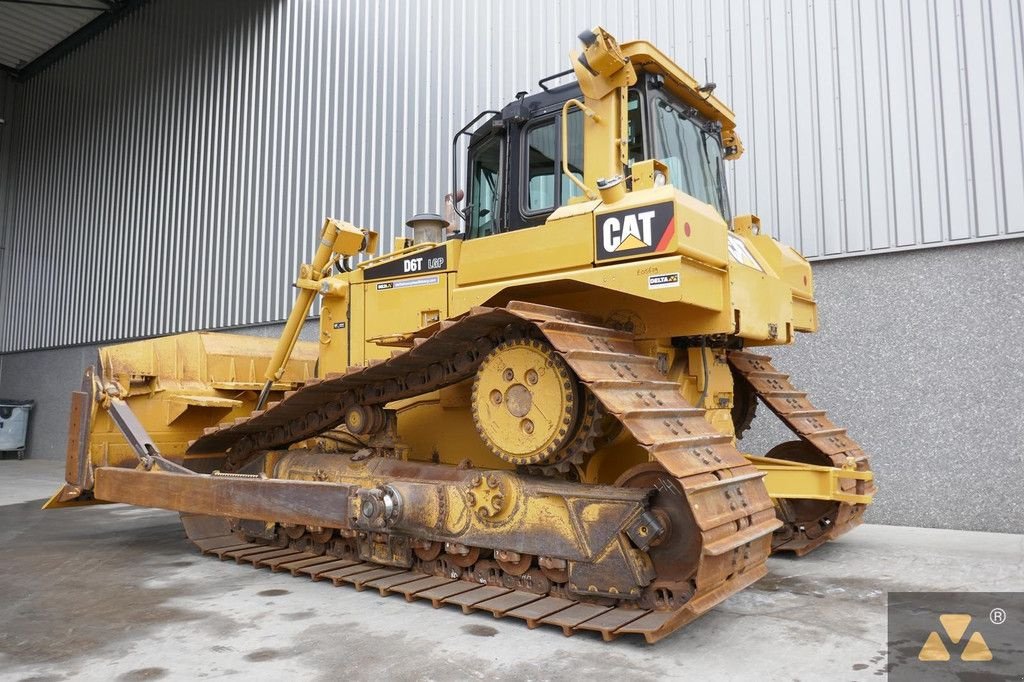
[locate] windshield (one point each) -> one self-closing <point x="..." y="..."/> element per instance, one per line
<point x="693" y="154"/>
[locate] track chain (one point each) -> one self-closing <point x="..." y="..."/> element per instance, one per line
<point x="813" y="426"/>
<point x="725" y="494"/>
<point x="536" y="609"/>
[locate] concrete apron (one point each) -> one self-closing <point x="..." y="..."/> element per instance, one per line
<point x="116" y="592"/>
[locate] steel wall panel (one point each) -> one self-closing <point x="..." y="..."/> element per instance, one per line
<point x="172" y="173"/>
<point x="29" y="30"/>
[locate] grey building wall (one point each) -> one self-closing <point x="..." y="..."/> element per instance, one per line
<point x="8" y="100"/>
<point x="919" y="355"/>
<point x="179" y="165"/>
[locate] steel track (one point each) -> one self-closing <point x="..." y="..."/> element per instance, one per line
<point x="725" y="494"/>
<point x="814" y="427"/>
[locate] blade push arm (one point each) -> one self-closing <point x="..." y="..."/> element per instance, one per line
<point x="337" y="239"/>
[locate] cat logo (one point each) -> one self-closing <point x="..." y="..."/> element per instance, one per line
<point x="955" y="625"/>
<point x="632" y="232"/>
<point x="623" y="234"/>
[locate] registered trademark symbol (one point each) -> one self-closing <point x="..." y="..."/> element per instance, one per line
<point x="997" y="616"/>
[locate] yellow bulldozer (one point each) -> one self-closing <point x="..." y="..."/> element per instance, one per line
<point x="532" y="409"/>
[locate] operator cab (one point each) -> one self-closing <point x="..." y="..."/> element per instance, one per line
<point x="515" y="177"/>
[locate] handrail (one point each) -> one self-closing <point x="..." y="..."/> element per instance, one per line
<point x="455" y="157"/>
<point x="591" y="194"/>
<point x="542" y="83"/>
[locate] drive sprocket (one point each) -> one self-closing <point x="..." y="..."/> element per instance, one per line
<point x="527" y="404"/>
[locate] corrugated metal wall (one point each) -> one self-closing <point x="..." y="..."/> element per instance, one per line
<point x="7" y="107"/>
<point x="172" y="173"/>
<point x="28" y="30"/>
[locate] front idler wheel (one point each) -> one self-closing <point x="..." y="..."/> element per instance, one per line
<point x="808" y="519"/>
<point x="676" y="552"/>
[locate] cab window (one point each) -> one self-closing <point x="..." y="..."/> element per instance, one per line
<point x="635" y="131"/>
<point x="540" y="162"/>
<point x="485" y="188"/>
<point x="546" y="185"/>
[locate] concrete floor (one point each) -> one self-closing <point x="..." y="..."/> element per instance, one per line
<point x="115" y="592"/>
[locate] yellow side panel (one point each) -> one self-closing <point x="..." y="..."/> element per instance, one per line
<point x="794" y="270"/>
<point x="805" y="315"/>
<point x="334" y="335"/>
<point x="357" y="321"/>
<point x="763" y="303"/>
<point x="394" y="308"/>
<point x="691" y="283"/>
<point x="557" y="245"/>
<point x="706" y="240"/>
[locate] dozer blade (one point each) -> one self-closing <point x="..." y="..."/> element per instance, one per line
<point x="77" y="465"/>
<point x="175" y="386"/>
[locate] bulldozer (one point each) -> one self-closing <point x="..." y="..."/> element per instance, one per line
<point x="533" y="408"/>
